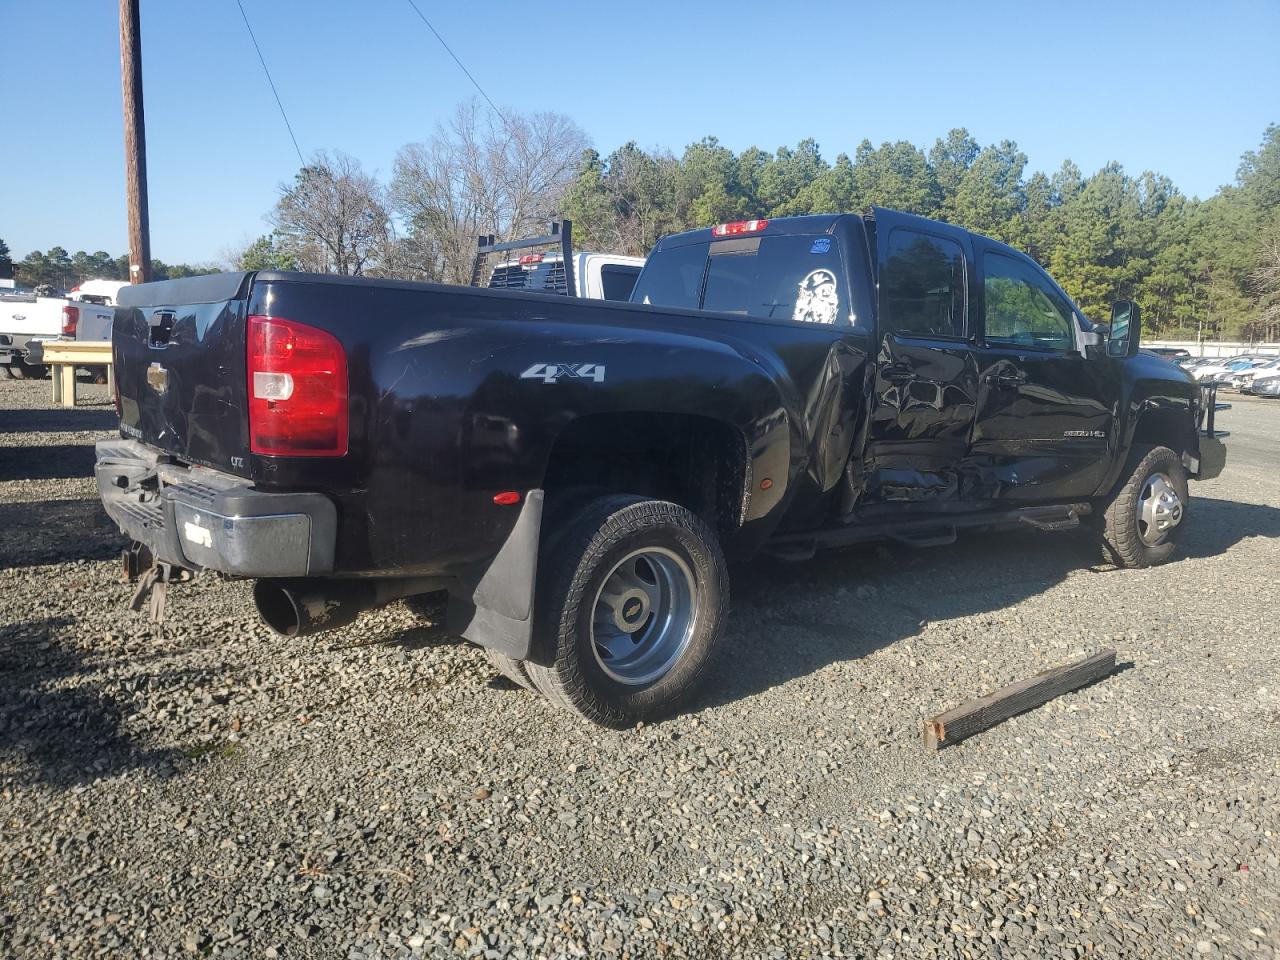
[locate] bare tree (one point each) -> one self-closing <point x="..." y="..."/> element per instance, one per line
<point x="333" y="218"/>
<point x="481" y="174"/>
<point x="1265" y="284"/>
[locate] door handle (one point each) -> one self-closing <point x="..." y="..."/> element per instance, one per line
<point x="1005" y="379"/>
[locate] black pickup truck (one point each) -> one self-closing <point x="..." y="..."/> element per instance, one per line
<point x="575" y="472"/>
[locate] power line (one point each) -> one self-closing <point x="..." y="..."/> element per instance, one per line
<point x="272" y="83"/>
<point x="460" y="64"/>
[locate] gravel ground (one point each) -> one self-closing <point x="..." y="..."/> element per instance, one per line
<point x="203" y="787"/>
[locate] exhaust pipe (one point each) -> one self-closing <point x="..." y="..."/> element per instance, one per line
<point x="303" y="606"/>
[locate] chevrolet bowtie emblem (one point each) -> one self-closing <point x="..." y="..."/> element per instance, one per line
<point x="158" y="377"/>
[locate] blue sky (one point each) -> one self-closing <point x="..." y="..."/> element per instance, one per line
<point x="1178" y="87"/>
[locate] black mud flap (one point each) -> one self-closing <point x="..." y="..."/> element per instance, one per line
<point x="495" y="609"/>
<point x="1213" y="457"/>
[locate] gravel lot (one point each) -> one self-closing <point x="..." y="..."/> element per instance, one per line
<point x="203" y="787"/>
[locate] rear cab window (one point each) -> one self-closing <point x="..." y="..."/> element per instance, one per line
<point x="795" y="278"/>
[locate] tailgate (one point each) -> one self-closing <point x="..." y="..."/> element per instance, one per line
<point x="179" y="353"/>
<point x="31" y="316"/>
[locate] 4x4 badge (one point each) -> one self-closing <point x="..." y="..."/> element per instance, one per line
<point x="552" y="372"/>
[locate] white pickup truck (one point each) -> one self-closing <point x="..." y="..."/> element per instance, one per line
<point x="84" y="314"/>
<point x="595" y="276"/>
<point x="600" y="276"/>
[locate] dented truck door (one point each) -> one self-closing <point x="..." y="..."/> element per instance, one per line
<point x="925" y="382"/>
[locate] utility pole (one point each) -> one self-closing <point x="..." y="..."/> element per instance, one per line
<point x="135" y="142"/>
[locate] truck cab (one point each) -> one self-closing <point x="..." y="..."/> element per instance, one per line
<point x="985" y="385"/>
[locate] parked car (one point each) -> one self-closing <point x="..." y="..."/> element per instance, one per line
<point x="1238" y="379"/>
<point x="1265" y="384"/>
<point x="27" y="317"/>
<point x="575" y="472"/>
<point x="1176" y="354"/>
<point x="1225" y="366"/>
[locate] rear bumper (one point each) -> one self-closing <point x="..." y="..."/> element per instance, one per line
<point x="13" y="346"/>
<point x="203" y="519"/>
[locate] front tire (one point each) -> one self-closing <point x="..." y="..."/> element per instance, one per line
<point x="1142" y="520"/>
<point x="629" y="615"/>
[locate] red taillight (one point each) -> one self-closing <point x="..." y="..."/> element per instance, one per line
<point x="297" y="390"/>
<point x="531" y="258"/>
<point x="737" y="227"/>
<point x="70" y="320"/>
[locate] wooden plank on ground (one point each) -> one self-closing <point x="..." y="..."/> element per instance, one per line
<point x="977" y="715"/>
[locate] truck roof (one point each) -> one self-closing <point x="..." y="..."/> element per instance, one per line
<point x="774" y="226"/>
<point x="818" y="223"/>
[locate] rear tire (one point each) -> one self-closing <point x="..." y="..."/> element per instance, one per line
<point x="514" y="670"/>
<point x="1144" y="517"/>
<point x="28" y="371"/>
<point x="632" y="599"/>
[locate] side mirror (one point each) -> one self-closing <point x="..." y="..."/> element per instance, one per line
<point x="1126" y="328"/>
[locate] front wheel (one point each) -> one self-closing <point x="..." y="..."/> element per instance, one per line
<point x="632" y="601"/>
<point x="1142" y="520"/>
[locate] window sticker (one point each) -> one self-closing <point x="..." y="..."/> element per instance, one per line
<point x="816" y="299"/>
<point x="821" y="245"/>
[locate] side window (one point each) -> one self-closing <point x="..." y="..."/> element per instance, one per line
<point x="618" y="280"/>
<point x="923" y="287"/>
<point x="1022" y="308"/>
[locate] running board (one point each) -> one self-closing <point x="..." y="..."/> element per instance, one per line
<point x="1067" y="521"/>
<point x="927" y="531"/>
<point x="939" y="536"/>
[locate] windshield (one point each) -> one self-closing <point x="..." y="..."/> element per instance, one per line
<point x="795" y="277"/>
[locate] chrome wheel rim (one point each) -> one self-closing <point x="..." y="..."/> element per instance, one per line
<point x="644" y="616"/>
<point x="1159" y="509"/>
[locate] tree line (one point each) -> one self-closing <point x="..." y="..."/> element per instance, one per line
<point x="1192" y="265"/>
<point x="61" y="271"/>
<point x="1195" y="266"/>
<point x="1209" y="267"/>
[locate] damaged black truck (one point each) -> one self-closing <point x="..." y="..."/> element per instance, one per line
<point x="574" y="472"/>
